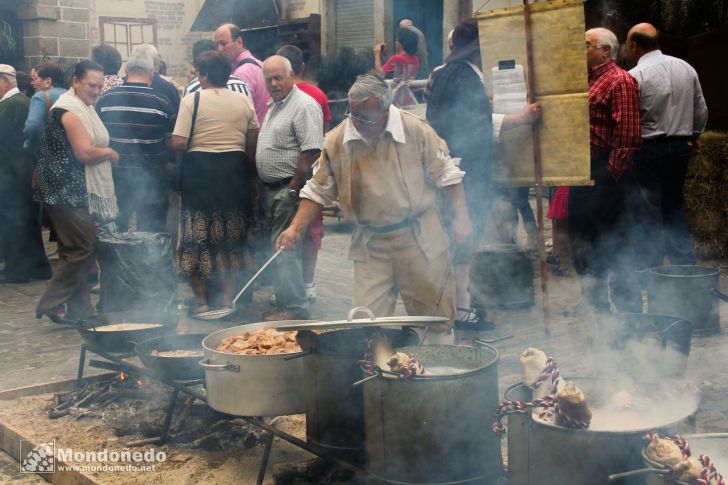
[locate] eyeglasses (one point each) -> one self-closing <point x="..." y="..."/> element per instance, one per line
<point x="361" y="119"/>
<point x="598" y="46"/>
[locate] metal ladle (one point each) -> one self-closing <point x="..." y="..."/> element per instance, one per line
<point x="224" y="312"/>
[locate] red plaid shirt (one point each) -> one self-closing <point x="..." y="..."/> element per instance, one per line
<point x="614" y="117"/>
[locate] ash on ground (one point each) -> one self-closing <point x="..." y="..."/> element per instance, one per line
<point x="135" y="410"/>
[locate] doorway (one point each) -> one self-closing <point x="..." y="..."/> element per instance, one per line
<point x="427" y="16"/>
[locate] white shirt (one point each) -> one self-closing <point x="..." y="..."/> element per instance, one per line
<point x="325" y="192"/>
<point x="671" y="99"/>
<point x="10" y="93"/>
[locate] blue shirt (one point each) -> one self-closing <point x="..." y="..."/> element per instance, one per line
<point x="37" y="115"/>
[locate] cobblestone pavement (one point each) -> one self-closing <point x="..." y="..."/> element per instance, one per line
<point x="37" y="351"/>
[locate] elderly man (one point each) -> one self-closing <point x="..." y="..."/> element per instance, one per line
<point x="22" y="246"/>
<point x="596" y="213"/>
<point x="140" y="122"/>
<point x="290" y="141"/>
<point x="387" y="167"/>
<point x="160" y="84"/>
<point x="230" y="42"/>
<point x="672" y="115"/>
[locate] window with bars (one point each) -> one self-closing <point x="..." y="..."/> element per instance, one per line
<point x="126" y="33"/>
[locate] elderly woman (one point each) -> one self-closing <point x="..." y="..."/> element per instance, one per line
<point x="48" y="80"/>
<point x="74" y="182"/>
<point x="218" y="130"/>
<point x="109" y="58"/>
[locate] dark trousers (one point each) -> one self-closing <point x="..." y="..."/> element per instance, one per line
<point x="521" y="205"/>
<point x="22" y="242"/>
<point x="76" y="236"/>
<point x="598" y="229"/>
<point x="656" y="203"/>
<point x="144" y="191"/>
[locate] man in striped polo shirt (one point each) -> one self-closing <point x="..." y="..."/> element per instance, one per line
<point x="140" y="121"/>
<point x="233" y="83"/>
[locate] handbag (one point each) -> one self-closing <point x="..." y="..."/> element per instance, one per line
<point x="178" y="175"/>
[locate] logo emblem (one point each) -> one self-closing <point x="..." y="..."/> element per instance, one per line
<point x="40" y="459"/>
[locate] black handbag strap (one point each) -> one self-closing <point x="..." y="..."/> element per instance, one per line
<point x="247" y="61"/>
<point x="194" y="118"/>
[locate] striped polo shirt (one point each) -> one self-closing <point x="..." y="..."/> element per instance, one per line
<point x="233" y="84"/>
<point x="138" y="119"/>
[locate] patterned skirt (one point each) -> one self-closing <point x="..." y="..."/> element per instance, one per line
<point x="216" y="214"/>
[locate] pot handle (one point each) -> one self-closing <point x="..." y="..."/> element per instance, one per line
<point x="297" y="356"/>
<point x="377" y="373"/>
<point x="358" y="309"/>
<point x="640" y="471"/>
<point x="481" y="342"/>
<point x="722" y="296"/>
<point x="205" y="364"/>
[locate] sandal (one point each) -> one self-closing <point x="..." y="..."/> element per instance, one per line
<point x="473" y="320"/>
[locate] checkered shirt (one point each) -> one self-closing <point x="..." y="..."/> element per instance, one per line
<point x="291" y="126"/>
<point x="614" y="118"/>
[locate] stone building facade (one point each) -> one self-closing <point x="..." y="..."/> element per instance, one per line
<point x="66" y="30"/>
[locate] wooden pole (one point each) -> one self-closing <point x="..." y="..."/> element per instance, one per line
<point x="538" y="169"/>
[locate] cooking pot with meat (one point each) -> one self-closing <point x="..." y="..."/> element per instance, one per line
<point x="253" y="375"/>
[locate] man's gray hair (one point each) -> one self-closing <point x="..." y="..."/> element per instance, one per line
<point x="12" y="80"/>
<point x="371" y="85"/>
<point x="607" y="37"/>
<point x="150" y="50"/>
<point x="140" y="62"/>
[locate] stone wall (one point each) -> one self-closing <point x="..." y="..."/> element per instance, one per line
<point x="55" y="29"/>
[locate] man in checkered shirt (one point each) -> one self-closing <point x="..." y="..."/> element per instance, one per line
<point x="597" y="222"/>
<point x="289" y="143"/>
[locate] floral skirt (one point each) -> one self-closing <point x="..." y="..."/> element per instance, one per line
<point x="216" y="215"/>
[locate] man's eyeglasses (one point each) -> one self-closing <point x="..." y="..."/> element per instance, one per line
<point x="361" y="119"/>
<point x="598" y="46"/>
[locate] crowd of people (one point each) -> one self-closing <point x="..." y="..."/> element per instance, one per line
<point x="248" y="148"/>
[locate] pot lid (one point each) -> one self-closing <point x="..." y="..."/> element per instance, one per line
<point x="371" y="321"/>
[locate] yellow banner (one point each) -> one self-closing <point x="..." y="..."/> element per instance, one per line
<point x="559" y="63"/>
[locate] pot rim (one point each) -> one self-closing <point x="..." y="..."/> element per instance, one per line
<point x="472" y="372"/>
<point x="609" y="432"/>
<point x="210" y="352"/>
<point x="661" y="271"/>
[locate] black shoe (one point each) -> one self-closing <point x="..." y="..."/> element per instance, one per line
<point x="473" y="320"/>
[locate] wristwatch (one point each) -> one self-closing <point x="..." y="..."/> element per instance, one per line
<point x="293" y="193"/>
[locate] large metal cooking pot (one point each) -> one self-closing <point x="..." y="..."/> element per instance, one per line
<point x="501" y="276"/>
<point x="334" y="408"/>
<point x="435" y="429"/>
<point x="252" y="385"/>
<point x="715" y="445"/>
<point x="686" y="291"/>
<point x="545" y="453"/>
<point x="644" y="346"/>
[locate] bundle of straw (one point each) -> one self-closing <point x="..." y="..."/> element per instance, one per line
<point x="706" y="197"/>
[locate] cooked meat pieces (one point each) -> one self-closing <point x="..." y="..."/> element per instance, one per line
<point x="267" y="341"/>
